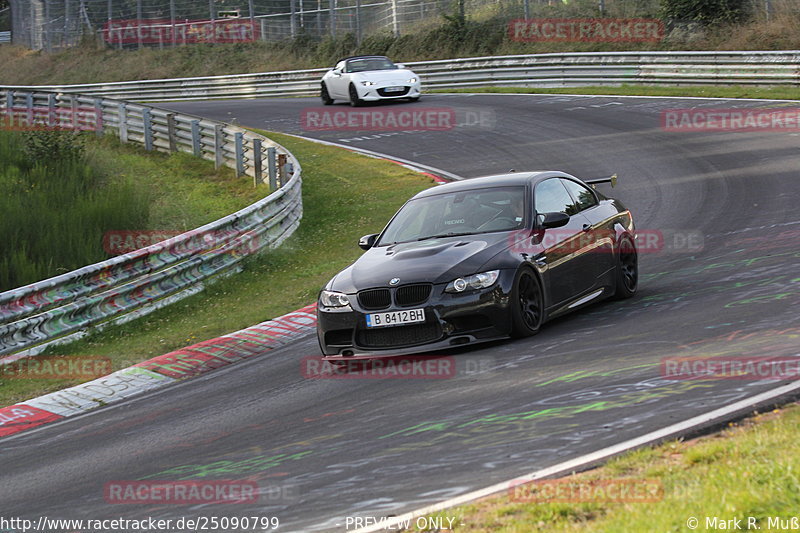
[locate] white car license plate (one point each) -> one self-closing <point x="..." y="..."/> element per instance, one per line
<point x="394" y="89"/>
<point x="395" y="318"/>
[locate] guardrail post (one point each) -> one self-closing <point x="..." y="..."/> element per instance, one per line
<point x="288" y="169"/>
<point x="257" y="165"/>
<point x="98" y="117"/>
<point x="272" y="167"/>
<point x="29" y="106"/>
<point x="147" y="124"/>
<point x="196" y="146"/>
<point x="51" y="110"/>
<point x="173" y="143"/>
<point x="238" y="141"/>
<point x="73" y="106"/>
<point x="218" y="141"/>
<point x="282" y="169"/>
<point x="10" y="107"/>
<point x="122" y="117"/>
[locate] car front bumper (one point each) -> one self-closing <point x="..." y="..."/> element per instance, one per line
<point x="450" y="320"/>
<point x="376" y="93"/>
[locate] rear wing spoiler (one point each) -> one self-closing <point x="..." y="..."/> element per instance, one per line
<point x="610" y="179"/>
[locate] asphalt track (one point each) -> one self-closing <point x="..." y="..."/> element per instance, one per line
<point x="323" y="450"/>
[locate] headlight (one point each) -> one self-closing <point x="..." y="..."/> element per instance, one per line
<point x="334" y="299"/>
<point x="476" y="281"/>
<point x="412" y="80"/>
<point x="367" y="83"/>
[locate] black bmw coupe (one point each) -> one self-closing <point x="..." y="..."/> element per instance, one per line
<point x="478" y="260"/>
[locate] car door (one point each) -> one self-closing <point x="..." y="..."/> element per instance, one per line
<point x="337" y="82"/>
<point x="565" y="253"/>
<point x="599" y="238"/>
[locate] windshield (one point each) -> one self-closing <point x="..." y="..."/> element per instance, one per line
<point x="458" y="213"/>
<point x="370" y="63"/>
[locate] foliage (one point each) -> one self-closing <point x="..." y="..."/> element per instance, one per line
<point x="705" y="11"/>
<point x="55" y="207"/>
<point x="61" y="192"/>
<point x="52" y="147"/>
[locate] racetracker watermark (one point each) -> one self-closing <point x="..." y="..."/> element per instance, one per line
<point x="623" y="490"/>
<point x="733" y="368"/>
<point x="586" y="30"/>
<point x="118" y="242"/>
<point x="769" y="119"/>
<point x="379" y="119"/>
<point x="181" y="492"/>
<point x="155" y="31"/>
<point x="601" y="240"/>
<point x="400" y="367"/>
<point x="82" y="367"/>
<point x="39" y="118"/>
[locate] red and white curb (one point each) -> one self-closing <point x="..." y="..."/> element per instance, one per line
<point x="158" y="372"/>
<point x="187" y="362"/>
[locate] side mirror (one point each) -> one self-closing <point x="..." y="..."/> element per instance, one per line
<point x="337" y="72"/>
<point x="554" y="220"/>
<point x="367" y="241"/>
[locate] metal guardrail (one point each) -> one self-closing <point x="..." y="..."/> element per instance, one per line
<point x="130" y="285"/>
<point x="5" y="37"/>
<point x="536" y="70"/>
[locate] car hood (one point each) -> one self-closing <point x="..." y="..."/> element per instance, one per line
<point x="433" y="261"/>
<point x="386" y="76"/>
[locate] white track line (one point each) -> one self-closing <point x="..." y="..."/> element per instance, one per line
<point x="588" y="459"/>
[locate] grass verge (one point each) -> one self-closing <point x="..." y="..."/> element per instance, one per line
<point x="729" y="91"/>
<point x="60" y="193"/>
<point x="367" y="193"/>
<point x="748" y="471"/>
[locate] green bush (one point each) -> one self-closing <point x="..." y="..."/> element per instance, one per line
<point x="705" y="11"/>
<point x="52" y="147"/>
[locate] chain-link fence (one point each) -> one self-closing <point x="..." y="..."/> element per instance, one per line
<point x="55" y="24"/>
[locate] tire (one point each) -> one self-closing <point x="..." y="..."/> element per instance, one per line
<point x="355" y="101"/>
<point x="527" y="304"/>
<point x="627" y="268"/>
<point x="323" y="94"/>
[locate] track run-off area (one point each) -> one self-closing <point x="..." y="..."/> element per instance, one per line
<point x="724" y="282"/>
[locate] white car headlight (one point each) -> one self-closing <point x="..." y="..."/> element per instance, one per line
<point x="333" y="299"/>
<point x="476" y="281"/>
<point x="367" y="83"/>
<point x="412" y="80"/>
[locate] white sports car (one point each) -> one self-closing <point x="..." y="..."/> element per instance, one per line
<point x="369" y="79"/>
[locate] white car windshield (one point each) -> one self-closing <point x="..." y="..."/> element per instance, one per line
<point x="459" y="213"/>
<point x="369" y="63"/>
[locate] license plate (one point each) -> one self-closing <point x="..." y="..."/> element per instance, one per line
<point x="394" y="89"/>
<point x="395" y="318"/>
